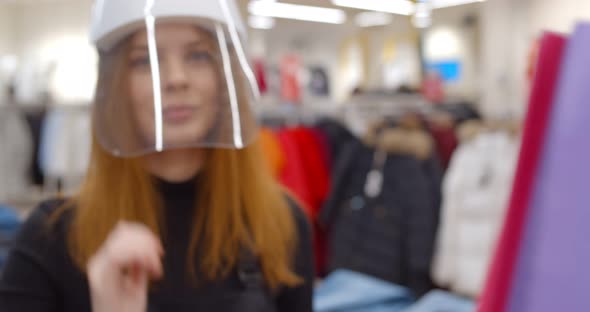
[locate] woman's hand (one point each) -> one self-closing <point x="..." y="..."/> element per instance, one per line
<point x="120" y="271"/>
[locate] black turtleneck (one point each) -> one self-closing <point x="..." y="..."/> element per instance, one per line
<point x="41" y="276"/>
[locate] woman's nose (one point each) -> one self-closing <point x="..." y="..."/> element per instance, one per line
<point x="174" y="74"/>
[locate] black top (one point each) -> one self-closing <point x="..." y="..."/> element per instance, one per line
<point x="41" y="276"/>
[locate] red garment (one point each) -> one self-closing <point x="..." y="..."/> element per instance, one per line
<point x="324" y="147"/>
<point x="293" y="174"/>
<point x="316" y="171"/>
<point x="432" y="88"/>
<point x="446" y="143"/>
<point x="306" y="174"/>
<point x="497" y="289"/>
<point x="318" y="180"/>
<point x="260" y="73"/>
<point x="532" y="61"/>
<point x="321" y="249"/>
<point x="290" y="86"/>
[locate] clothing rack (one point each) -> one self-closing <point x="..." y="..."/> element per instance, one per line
<point x="290" y="115"/>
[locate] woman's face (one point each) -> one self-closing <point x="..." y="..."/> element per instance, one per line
<point x="190" y="83"/>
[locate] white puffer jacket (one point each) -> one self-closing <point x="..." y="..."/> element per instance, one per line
<point x="476" y="191"/>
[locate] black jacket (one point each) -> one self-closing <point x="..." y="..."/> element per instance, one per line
<point x="392" y="236"/>
<point x="338" y="137"/>
<point x="41" y="276"/>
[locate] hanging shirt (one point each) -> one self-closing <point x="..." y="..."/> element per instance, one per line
<point x="432" y="89"/>
<point x="290" y="85"/>
<point x="319" y="83"/>
<point x="260" y="73"/>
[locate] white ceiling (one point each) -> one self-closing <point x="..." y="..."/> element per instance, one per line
<point x="303" y="30"/>
<point x="299" y="30"/>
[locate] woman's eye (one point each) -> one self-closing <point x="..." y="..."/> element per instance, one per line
<point x="198" y="56"/>
<point x="140" y="61"/>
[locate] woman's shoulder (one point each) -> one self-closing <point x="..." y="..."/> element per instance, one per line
<point x="45" y="226"/>
<point x="39" y="265"/>
<point x="52" y="211"/>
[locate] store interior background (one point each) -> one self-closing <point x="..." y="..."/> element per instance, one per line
<point x="45" y="51"/>
<point x="491" y="39"/>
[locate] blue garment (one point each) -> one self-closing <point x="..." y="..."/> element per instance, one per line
<point x="348" y="291"/>
<point x="9" y="225"/>
<point x="442" y="301"/>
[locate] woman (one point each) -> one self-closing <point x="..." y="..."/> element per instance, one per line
<point x="166" y="219"/>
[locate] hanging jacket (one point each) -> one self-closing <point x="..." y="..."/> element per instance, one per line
<point x="315" y="170"/>
<point x="446" y="142"/>
<point x="391" y="236"/>
<point x="15" y="153"/>
<point x="306" y="175"/>
<point x="35" y="121"/>
<point x="475" y="192"/>
<point x="273" y="153"/>
<point x="337" y="136"/>
<point x="293" y="174"/>
<point x="65" y="145"/>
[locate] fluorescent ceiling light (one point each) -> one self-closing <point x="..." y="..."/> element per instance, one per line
<point x="402" y="7"/>
<point x="423" y="16"/>
<point x="297" y="12"/>
<point x="438" y="4"/>
<point x="261" y="22"/>
<point x="369" y="19"/>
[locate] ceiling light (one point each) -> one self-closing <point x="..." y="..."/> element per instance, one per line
<point x="297" y="12"/>
<point x="402" y="7"/>
<point x="423" y="16"/>
<point x="261" y="22"/>
<point x="370" y="19"/>
<point x="438" y="4"/>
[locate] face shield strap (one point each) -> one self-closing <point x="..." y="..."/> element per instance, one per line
<point x="233" y="98"/>
<point x="150" y="23"/>
<point x="239" y="50"/>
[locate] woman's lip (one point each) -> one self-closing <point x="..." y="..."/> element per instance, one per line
<point x="178" y="113"/>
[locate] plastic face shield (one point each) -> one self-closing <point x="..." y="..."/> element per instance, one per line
<point x="173" y="81"/>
